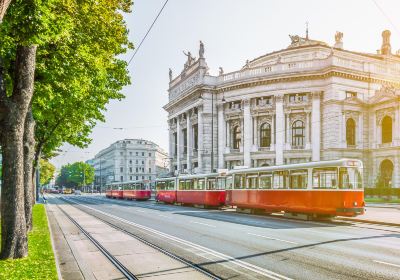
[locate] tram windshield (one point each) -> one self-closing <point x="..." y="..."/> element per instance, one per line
<point x="165" y="185"/>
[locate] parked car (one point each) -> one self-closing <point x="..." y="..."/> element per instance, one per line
<point x="78" y="192"/>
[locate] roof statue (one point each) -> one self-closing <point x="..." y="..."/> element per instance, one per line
<point x="201" y="50"/>
<point x="221" y="71"/>
<point x="170" y="74"/>
<point x="338" y="40"/>
<point x="190" y="59"/>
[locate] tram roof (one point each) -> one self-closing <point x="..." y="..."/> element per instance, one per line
<point x="328" y="163"/>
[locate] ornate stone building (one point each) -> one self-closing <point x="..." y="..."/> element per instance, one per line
<point x="307" y="102"/>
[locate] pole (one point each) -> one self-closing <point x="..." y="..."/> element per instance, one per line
<point x="212" y="132"/>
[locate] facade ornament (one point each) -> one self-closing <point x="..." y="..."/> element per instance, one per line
<point x="294" y="38"/>
<point x="338" y="40"/>
<point x="247" y="64"/>
<point x="386" y="48"/>
<point x="221" y="71"/>
<point x="170" y="74"/>
<point x="201" y="50"/>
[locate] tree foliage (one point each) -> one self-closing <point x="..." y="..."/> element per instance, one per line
<point x="47" y="171"/>
<point x="77" y="174"/>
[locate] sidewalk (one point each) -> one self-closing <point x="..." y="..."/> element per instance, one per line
<point x="389" y="216"/>
<point x="79" y="259"/>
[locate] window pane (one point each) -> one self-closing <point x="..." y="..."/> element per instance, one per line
<point x="325" y="178"/>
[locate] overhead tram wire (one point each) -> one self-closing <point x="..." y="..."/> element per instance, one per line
<point x="387" y="17"/>
<point x="147" y="33"/>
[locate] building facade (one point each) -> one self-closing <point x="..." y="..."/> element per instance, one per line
<point x="307" y="102"/>
<point x="129" y="160"/>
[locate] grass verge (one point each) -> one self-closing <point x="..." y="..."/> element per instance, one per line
<point x="380" y="200"/>
<point x="40" y="264"/>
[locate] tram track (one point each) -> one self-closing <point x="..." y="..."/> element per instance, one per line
<point x="126" y="272"/>
<point x="150" y="244"/>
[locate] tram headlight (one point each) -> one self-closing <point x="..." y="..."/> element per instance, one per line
<point x="355" y="203"/>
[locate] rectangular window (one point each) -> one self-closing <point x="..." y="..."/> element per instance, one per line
<point x="130" y="178"/>
<point x="195" y="137"/>
<point x="142" y="161"/>
<point x="130" y="161"/>
<point x="211" y="184"/>
<point x="137" y="169"/>
<point x="262" y="101"/>
<point x="122" y="178"/>
<point x="130" y="153"/>
<point x="298" y="179"/>
<point x="280" y="180"/>
<point x="252" y="181"/>
<point x="265" y="181"/>
<point x="143" y="177"/>
<point x="181" y="184"/>
<point x="121" y="169"/>
<point x="130" y="169"/>
<point x="137" y="153"/>
<point x="184" y="132"/>
<point x="325" y="178"/>
<point x="229" y="182"/>
<point x="149" y="170"/>
<point x="149" y="154"/>
<point x="351" y="94"/>
<point x="142" y="154"/>
<point x="137" y="177"/>
<point x="175" y="143"/>
<point x="202" y="184"/>
<point x="238" y="181"/>
<point x="298" y="97"/>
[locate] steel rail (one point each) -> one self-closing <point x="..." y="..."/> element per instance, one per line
<point x="126" y="272"/>
<point x="154" y="246"/>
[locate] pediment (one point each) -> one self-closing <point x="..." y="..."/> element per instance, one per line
<point x="383" y="97"/>
<point x="353" y="101"/>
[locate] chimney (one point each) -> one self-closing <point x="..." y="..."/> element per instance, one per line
<point x="386" y="49"/>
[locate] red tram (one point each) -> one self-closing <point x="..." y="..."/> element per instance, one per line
<point x="138" y="190"/>
<point x="326" y="188"/>
<point x="201" y="189"/>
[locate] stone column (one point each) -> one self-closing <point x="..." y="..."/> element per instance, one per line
<point x="374" y="131"/>
<point x="171" y="147"/>
<point x="200" y="125"/>
<point x="343" y="143"/>
<point x="247" y="133"/>
<point x="360" y="130"/>
<point x="179" y="143"/>
<point x="221" y="135"/>
<point x="308" y="130"/>
<point x="287" y="128"/>
<point x="316" y="126"/>
<point x="280" y="130"/>
<point x="189" y="142"/>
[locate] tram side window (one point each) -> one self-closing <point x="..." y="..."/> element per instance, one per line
<point x="181" y="184"/>
<point x="280" y="180"/>
<point x="238" y="181"/>
<point x="229" y="182"/>
<point x="171" y="185"/>
<point x="325" y="178"/>
<point x="252" y="181"/>
<point x="201" y="184"/>
<point x="298" y="179"/>
<point x="195" y="184"/>
<point x="221" y="183"/>
<point x="187" y="185"/>
<point x="211" y="184"/>
<point x="265" y="181"/>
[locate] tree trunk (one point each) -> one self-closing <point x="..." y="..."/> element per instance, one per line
<point x="29" y="150"/>
<point x="13" y="225"/>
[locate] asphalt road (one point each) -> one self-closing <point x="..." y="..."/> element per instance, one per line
<point x="240" y="246"/>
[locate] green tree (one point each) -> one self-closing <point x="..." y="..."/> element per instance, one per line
<point x="77" y="174"/>
<point x="46" y="171"/>
<point x="73" y="46"/>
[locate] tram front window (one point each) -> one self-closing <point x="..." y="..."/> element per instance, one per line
<point x="350" y="178"/>
<point x="325" y="178"/>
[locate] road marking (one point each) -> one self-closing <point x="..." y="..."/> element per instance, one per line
<point x="164" y="216"/>
<point x="392" y="264"/>
<point x="272" y="238"/>
<point x="221" y="256"/>
<point x="207" y="225"/>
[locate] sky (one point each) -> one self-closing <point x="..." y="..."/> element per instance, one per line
<point x="232" y="32"/>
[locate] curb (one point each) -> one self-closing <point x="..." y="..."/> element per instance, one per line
<point x="369" y="221"/>
<point x="53" y="245"/>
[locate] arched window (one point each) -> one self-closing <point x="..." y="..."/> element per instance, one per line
<point x="387" y="130"/>
<point x="236" y="137"/>
<point x="265" y="135"/>
<point x="298" y="134"/>
<point x="386" y="169"/>
<point x="350" y="132"/>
